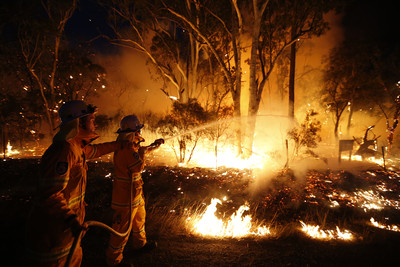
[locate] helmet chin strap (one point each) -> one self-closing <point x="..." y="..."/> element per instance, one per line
<point x="82" y="123"/>
<point x="138" y="139"/>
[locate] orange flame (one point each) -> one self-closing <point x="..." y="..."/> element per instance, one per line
<point x="315" y="232"/>
<point x="393" y="227"/>
<point x="208" y="224"/>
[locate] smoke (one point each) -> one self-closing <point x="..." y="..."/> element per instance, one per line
<point x="133" y="88"/>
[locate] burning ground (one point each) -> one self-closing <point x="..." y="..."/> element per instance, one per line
<point x="326" y="218"/>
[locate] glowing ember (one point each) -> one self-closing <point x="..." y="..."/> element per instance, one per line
<point x="208" y="224"/>
<point x="392" y="227"/>
<point x="373" y="200"/>
<point x="314" y="232"/>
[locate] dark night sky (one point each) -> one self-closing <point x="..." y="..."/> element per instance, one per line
<point x="375" y="21"/>
<point x="372" y="20"/>
<point x="87" y="23"/>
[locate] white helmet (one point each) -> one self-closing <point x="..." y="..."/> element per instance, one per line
<point x="130" y="124"/>
<point x="75" y="109"/>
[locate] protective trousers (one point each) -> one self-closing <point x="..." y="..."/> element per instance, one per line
<point x="120" y="224"/>
<point x="75" y="260"/>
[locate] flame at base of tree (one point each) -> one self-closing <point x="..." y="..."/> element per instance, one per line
<point x="207" y="224"/>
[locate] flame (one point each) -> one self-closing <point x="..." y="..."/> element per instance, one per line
<point x="393" y="227"/>
<point x="314" y="232"/>
<point x="208" y="224"/>
<point x="228" y="158"/>
<point x="10" y="151"/>
<point x="378" y="161"/>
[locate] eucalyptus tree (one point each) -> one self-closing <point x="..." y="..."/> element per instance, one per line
<point x="221" y="31"/>
<point x="337" y="90"/>
<point x="276" y="26"/>
<point x="78" y="77"/>
<point x="350" y="81"/>
<point x="305" y="20"/>
<point x="145" y="26"/>
<point x="20" y="110"/>
<point x="41" y="26"/>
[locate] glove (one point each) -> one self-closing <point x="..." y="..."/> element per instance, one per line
<point x="75" y="226"/>
<point x="158" y="142"/>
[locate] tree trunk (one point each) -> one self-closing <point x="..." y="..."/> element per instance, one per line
<point x="292" y="75"/>
<point x="350" y="117"/>
<point x="254" y="97"/>
<point x="238" y="121"/>
<point x="336" y="128"/>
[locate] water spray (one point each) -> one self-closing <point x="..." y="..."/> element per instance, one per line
<point x="211" y="124"/>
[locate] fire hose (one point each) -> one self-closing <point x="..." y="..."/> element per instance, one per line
<point x="101" y="225"/>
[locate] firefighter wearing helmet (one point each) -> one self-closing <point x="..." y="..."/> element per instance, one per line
<point x="58" y="213"/>
<point x="127" y="196"/>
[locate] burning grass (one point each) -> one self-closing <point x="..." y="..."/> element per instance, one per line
<point x="337" y="203"/>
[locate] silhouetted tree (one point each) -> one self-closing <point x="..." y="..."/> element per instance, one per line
<point x="184" y="124"/>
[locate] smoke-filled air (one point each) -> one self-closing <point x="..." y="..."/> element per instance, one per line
<point x="273" y="120"/>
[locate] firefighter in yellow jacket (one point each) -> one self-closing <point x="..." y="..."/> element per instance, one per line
<point x="58" y="213"/>
<point x="127" y="196"/>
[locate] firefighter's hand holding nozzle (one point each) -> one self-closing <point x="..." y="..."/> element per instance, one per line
<point x="157" y="142"/>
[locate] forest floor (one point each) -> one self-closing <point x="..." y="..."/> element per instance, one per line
<point x="326" y="198"/>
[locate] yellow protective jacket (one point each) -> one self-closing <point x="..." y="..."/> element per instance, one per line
<point x="128" y="165"/>
<point x="60" y="195"/>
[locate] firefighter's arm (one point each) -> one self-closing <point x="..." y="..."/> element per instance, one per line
<point x="98" y="150"/>
<point x="156" y="144"/>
